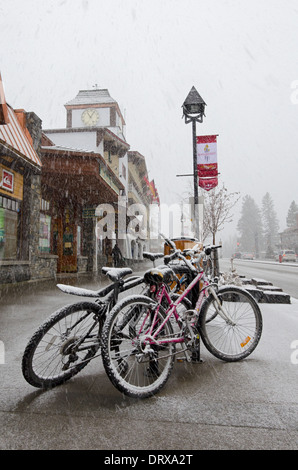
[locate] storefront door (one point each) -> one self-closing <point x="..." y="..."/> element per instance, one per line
<point x="65" y="238"/>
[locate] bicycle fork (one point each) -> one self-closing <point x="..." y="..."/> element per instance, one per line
<point x="219" y="307"/>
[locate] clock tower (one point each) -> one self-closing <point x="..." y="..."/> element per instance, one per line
<point x="95" y="108"/>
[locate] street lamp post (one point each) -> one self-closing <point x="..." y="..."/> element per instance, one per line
<point x="193" y="111"/>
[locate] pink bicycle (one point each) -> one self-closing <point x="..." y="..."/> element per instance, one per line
<point x="142" y="335"/>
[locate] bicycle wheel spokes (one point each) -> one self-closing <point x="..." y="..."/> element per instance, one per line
<point x="137" y="362"/>
<point x="59" y="349"/>
<point x="234" y="334"/>
<point x="62" y="346"/>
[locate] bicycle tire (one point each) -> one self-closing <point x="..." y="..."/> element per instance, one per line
<point x="132" y="370"/>
<point x="231" y="342"/>
<point x="44" y="362"/>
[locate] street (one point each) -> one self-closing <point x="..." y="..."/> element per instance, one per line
<point x="214" y="405"/>
<point x="284" y="275"/>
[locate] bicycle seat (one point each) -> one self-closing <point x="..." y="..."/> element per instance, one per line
<point x="160" y="274"/>
<point x="152" y="256"/>
<point x="81" y="292"/>
<point x="115" y="274"/>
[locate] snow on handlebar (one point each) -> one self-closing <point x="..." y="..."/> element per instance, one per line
<point x="172" y="256"/>
<point x="209" y="248"/>
<point x="168" y="241"/>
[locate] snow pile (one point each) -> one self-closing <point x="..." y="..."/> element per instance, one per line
<point x="230" y="278"/>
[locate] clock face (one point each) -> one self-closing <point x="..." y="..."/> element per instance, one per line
<point x="90" y="117"/>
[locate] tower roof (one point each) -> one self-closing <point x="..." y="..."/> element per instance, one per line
<point x="85" y="97"/>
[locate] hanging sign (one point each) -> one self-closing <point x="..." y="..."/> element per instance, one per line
<point x="208" y="183"/>
<point x="207" y="161"/>
<point x="7" y="180"/>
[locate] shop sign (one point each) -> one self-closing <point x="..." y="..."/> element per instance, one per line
<point x="7" y="180"/>
<point x="88" y="212"/>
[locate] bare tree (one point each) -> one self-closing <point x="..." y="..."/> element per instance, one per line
<point x="218" y="204"/>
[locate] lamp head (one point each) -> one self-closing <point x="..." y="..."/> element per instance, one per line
<point x="194" y="106"/>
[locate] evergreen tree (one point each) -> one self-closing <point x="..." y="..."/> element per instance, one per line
<point x="270" y="225"/>
<point x="292" y="216"/>
<point x="250" y="226"/>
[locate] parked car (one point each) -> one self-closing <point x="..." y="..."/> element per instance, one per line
<point x="286" y="255"/>
<point x="248" y="256"/>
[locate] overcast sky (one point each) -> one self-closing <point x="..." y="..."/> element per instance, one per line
<point x="242" y="57"/>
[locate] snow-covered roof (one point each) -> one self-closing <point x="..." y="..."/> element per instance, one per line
<point x="86" y="97"/>
<point x="14" y="134"/>
<point x="65" y="149"/>
<point x="15" y="137"/>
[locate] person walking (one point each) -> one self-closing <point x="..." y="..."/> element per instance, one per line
<point x="117" y="255"/>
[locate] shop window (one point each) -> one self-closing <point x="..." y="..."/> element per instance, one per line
<point x="9" y="216"/>
<point x="45" y="233"/>
<point x="44" y="205"/>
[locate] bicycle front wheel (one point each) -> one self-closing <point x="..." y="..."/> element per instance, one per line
<point x="232" y="330"/>
<point x="137" y="363"/>
<point x="63" y="345"/>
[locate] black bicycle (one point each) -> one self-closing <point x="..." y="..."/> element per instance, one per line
<point x="66" y="342"/>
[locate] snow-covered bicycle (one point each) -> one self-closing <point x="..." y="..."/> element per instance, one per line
<point x="143" y="333"/>
<point x="66" y="342"/>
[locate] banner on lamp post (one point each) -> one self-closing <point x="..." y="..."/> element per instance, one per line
<point x="205" y="171"/>
<point x="208" y="183"/>
<point x="207" y="161"/>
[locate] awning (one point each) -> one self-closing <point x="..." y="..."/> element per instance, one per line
<point x="13" y="135"/>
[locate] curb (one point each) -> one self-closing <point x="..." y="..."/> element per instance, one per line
<point x="265" y="292"/>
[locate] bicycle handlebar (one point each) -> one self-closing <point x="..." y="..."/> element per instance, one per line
<point x="191" y="252"/>
<point x="210" y="248"/>
<point x="169" y="242"/>
<point x="172" y="256"/>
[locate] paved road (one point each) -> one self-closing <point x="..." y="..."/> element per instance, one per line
<point x="284" y="275"/>
<point x="214" y="405"/>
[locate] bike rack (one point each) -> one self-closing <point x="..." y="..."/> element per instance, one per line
<point x="196" y="354"/>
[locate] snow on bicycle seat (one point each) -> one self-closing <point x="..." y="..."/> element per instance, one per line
<point x="115" y="274"/>
<point x="152" y="256"/>
<point x="77" y="291"/>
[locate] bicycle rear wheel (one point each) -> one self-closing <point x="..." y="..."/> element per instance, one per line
<point x="63" y="345"/>
<point x="234" y="338"/>
<point x="136" y="364"/>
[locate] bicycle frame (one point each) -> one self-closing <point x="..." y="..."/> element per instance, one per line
<point x="172" y="309"/>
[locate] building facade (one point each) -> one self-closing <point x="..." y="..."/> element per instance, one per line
<point x="20" y="191"/>
<point x="55" y="184"/>
<point x="95" y="123"/>
<point x="72" y="184"/>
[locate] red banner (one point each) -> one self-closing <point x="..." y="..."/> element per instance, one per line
<point x="153" y="190"/>
<point x="207" y="161"/>
<point x="208" y="183"/>
<point x="205" y="171"/>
